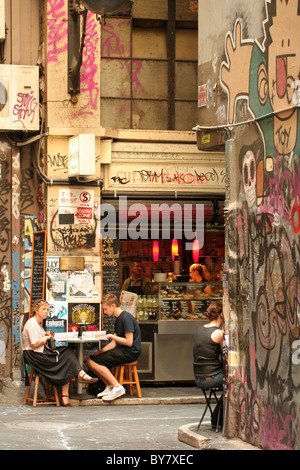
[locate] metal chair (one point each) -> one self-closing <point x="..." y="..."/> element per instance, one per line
<point x="210" y="393"/>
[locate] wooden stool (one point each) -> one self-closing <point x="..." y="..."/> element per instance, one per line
<point x="124" y="373"/>
<point x="34" y="400"/>
<point x="208" y="397"/>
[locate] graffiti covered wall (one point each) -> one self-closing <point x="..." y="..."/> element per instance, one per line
<point x="258" y="84"/>
<point x="17" y="208"/>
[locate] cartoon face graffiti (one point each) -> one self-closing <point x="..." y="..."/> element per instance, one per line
<point x="270" y="71"/>
<point x="283" y="53"/>
<point x="249" y="177"/>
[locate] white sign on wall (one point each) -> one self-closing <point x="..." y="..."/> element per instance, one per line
<point x="75" y="206"/>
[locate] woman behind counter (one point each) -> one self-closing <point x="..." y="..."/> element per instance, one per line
<point x="57" y="366"/>
<point x="199" y="273"/>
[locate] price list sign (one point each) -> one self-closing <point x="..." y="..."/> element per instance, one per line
<point x="38" y="267"/>
<point x="111" y="276"/>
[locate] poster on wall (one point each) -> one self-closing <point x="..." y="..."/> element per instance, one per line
<point x="56" y="281"/>
<point x="57" y="320"/>
<point x="29" y="228"/>
<point x="84" y="315"/>
<point x="84" y="286"/>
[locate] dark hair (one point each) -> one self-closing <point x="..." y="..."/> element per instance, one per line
<point x="214" y="310"/>
<point x="135" y="260"/>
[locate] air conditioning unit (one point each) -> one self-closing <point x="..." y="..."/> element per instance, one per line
<point x="19" y="98"/>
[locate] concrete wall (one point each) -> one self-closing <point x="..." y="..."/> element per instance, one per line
<point x="250" y="66"/>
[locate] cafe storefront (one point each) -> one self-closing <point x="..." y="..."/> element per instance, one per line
<point x="163" y="197"/>
<point x="145" y="198"/>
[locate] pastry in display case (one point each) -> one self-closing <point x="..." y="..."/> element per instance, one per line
<point x="186" y="301"/>
<point x="177" y="301"/>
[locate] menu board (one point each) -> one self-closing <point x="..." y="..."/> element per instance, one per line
<point x="38" y="267"/>
<point x="111" y="275"/>
<point x="183" y="309"/>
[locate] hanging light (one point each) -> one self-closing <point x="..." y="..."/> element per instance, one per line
<point x="174" y="249"/>
<point x="155" y="251"/>
<point x="196" y="250"/>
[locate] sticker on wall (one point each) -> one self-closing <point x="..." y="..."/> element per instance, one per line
<point x="82" y="284"/>
<point x="83" y="314"/>
<point x="75" y="206"/>
<point x="202" y="96"/>
<point x="57" y="320"/>
<point x="56" y="280"/>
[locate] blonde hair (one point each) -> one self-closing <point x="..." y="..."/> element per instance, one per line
<point x="110" y="299"/>
<point x="37" y="304"/>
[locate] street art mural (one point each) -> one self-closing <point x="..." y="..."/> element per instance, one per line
<point x="265" y="74"/>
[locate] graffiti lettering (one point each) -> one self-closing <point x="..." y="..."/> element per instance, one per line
<point x="283" y="136"/>
<point x="168" y="177"/>
<point x="15" y="196"/>
<point x="25" y="107"/>
<point x="90" y="67"/>
<point x="58" y="30"/>
<point x="26" y="190"/>
<point x="57" y="162"/>
<point x="69" y="237"/>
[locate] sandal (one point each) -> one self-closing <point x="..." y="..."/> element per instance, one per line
<point x="68" y="404"/>
<point x="90" y="380"/>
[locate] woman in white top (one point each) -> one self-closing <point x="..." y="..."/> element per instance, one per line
<point x="57" y="366"/>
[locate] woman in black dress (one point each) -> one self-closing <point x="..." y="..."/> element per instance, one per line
<point x="57" y="366"/>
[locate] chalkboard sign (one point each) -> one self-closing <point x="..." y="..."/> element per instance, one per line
<point x="111" y="275"/>
<point x="38" y="267"/>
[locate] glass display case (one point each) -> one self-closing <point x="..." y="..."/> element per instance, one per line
<point x="169" y="315"/>
<point x="186" y="301"/>
<point x="177" y="301"/>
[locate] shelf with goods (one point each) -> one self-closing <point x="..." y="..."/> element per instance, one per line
<point x="186" y="301"/>
<point x="177" y="301"/>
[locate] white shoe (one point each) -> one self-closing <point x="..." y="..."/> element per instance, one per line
<point x="115" y="393"/>
<point x="107" y="390"/>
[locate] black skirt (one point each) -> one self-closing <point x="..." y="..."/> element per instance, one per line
<point x="57" y="366"/>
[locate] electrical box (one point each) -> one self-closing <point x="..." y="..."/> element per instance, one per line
<point x="19" y="98"/>
<point x="82" y="158"/>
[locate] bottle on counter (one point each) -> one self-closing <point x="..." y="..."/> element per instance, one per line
<point x="177" y="266"/>
<point x="139" y="308"/>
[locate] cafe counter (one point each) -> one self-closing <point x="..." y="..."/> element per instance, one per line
<point x="168" y="333"/>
